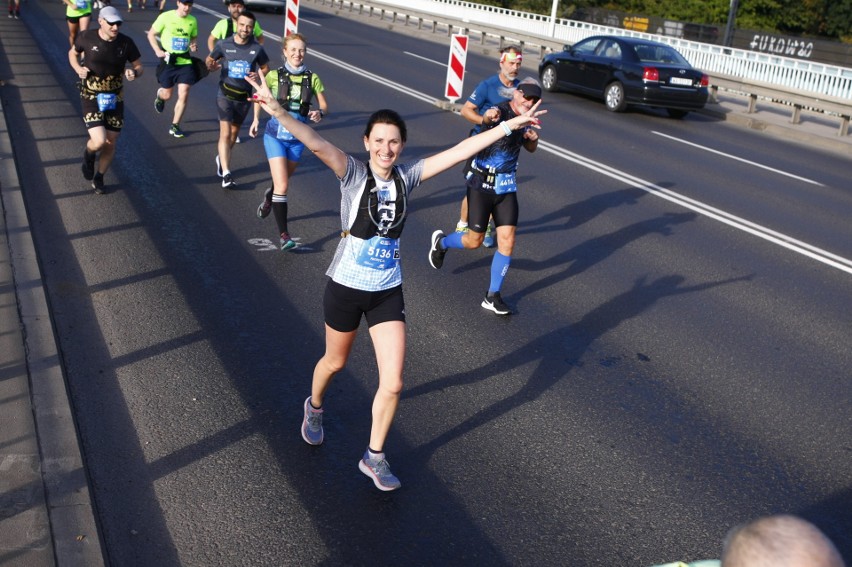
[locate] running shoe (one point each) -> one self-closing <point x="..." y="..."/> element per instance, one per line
<point x="462" y="227"/>
<point x="176" y="131"/>
<point x="377" y="468"/>
<point x="218" y="167"/>
<point x="436" y="254"/>
<point x="265" y="207"/>
<point x="88" y="165"/>
<point x="493" y="302"/>
<point x="98" y="183"/>
<point x="228" y="182"/>
<point x="286" y="242"/>
<point x="488" y="242"/>
<point x="312" y="424"/>
<point x="159" y="105"/>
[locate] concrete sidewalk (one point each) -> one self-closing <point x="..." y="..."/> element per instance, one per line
<point x="46" y="512"/>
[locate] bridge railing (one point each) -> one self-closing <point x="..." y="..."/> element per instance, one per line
<point x="795" y="83"/>
<point x="817" y="78"/>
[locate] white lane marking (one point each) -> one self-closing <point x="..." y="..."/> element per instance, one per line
<point x="778" y="238"/>
<point x="209" y="11"/>
<point x="425" y="58"/>
<point x="760" y="231"/>
<point x="737" y="158"/>
<point x="364" y="73"/>
<point x="196" y="8"/>
<point x="266" y="245"/>
<point x="263" y="244"/>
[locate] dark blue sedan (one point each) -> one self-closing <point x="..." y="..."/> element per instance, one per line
<point x="627" y="71"/>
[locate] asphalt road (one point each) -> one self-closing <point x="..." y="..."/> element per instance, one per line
<point x="679" y="361"/>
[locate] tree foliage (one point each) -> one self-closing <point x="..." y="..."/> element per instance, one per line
<point x="838" y="19"/>
<point x="831" y="19"/>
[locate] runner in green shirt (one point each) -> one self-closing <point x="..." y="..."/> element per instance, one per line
<point x="294" y="86"/>
<point x="78" y="14"/>
<point x="173" y="37"/>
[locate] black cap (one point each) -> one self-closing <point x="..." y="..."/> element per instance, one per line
<point x="237" y="2"/>
<point x="530" y="89"/>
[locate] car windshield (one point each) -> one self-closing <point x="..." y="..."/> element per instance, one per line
<point x="658" y="54"/>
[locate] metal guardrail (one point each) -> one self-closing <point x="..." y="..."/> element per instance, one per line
<point x="820" y="79"/>
<point x="795" y="101"/>
<point x="501" y="30"/>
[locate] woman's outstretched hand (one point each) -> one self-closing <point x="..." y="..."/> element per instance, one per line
<point x="262" y="94"/>
<point x="528" y="118"/>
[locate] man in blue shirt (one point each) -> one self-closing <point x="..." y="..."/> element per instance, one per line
<point x="489" y="93"/>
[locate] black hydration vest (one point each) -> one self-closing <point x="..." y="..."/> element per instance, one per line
<point x="303" y="104"/>
<point x="365" y="225"/>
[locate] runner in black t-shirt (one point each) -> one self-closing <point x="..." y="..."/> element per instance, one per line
<point x="105" y="54"/>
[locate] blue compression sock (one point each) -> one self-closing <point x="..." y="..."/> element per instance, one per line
<point x="499" y="267"/>
<point x="452" y="240"/>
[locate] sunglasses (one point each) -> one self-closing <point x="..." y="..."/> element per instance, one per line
<point x="532" y="98"/>
<point x="116" y="24"/>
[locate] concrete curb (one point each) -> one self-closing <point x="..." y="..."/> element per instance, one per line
<point x="72" y="525"/>
<point x="789" y="131"/>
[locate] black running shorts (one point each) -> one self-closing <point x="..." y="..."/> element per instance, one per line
<point x="344" y="306"/>
<point x="176" y="74"/>
<point x="109" y="119"/>
<point x="482" y="204"/>
<point x="232" y="111"/>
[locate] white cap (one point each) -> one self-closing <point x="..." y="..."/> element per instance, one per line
<point x="110" y="14"/>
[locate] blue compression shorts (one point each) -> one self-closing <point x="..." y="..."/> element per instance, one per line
<point x="288" y="149"/>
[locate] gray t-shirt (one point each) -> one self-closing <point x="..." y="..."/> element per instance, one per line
<point x="238" y="60"/>
<point x="346" y="269"/>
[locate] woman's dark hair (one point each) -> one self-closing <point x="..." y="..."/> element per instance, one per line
<point x="387" y="116"/>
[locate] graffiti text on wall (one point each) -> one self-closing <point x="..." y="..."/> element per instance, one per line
<point x="788" y="46"/>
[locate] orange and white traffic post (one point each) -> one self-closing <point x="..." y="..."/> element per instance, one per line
<point x="291" y="21"/>
<point x="455" y="67"/>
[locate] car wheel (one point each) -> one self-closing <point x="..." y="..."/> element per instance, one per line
<point x="677" y="112"/>
<point x="548" y="78"/>
<point x="614" y="97"/>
